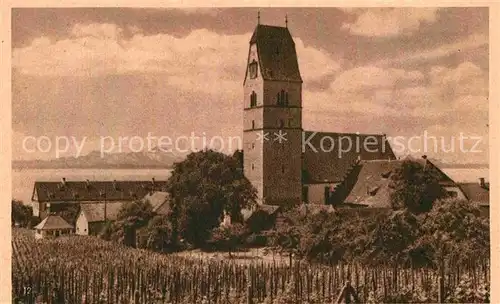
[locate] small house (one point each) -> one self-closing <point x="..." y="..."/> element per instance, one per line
<point x="52" y="226"/>
<point x="160" y="201"/>
<point x="368" y="184"/>
<point x="478" y="194"/>
<point x="92" y="217"/>
<point x="49" y="197"/>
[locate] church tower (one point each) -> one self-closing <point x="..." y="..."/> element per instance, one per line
<point x="272" y="118"/>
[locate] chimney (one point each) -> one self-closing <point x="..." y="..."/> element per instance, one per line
<point x="132" y="194"/>
<point x="425" y="163"/>
<point x="62" y="185"/>
<point x="482" y="183"/>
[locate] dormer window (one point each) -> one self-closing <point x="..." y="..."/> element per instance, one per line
<point x="252" y="69"/>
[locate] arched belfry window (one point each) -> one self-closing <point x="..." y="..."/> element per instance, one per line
<point x="253" y="99"/>
<point x="252" y="69"/>
<point x="282" y="98"/>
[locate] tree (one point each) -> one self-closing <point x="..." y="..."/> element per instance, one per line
<point x="287" y="233"/>
<point x="203" y="187"/>
<point x="228" y="237"/>
<point x="21" y="213"/>
<point x="391" y="239"/>
<point x="454" y="230"/>
<point x="414" y="187"/>
<point x="158" y="234"/>
<point x="69" y="212"/>
<point x="132" y="216"/>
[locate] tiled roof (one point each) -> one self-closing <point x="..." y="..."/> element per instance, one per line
<point x="475" y="193"/>
<point x="371" y="187"/>
<point x="276" y="52"/>
<point x="160" y="201"/>
<point x="269" y="209"/>
<point x="94" y="190"/>
<point x="53" y="222"/>
<point x="95" y="212"/>
<point x="322" y="165"/>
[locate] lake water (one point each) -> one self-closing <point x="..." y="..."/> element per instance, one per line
<point x="23" y="180"/>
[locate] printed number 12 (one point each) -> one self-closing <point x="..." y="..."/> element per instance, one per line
<point x="27" y="290"/>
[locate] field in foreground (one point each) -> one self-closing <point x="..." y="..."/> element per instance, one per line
<point x="87" y="270"/>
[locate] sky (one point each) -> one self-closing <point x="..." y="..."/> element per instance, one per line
<point x="88" y="73"/>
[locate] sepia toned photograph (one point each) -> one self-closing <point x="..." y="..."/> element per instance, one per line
<point x="273" y="155"/>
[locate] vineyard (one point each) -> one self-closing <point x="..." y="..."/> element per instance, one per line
<point x="81" y="269"/>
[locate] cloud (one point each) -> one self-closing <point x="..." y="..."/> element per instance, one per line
<point x="370" y="77"/>
<point x="97" y="30"/>
<point x="367" y="99"/>
<point x="384" y="22"/>
<point x="139" y="83"/>
<point x="203" y="60"/>
<point x="471" y="42"/>
<point x="199" y="11"/>
<point x="444" y="102"/>
<point x="314" y="63"/>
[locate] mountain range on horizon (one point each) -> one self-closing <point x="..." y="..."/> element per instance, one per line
<point x="94" y="160"/>
<point x="155" y="159"/>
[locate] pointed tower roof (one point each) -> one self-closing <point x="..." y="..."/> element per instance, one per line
<point x="277" y="55"/>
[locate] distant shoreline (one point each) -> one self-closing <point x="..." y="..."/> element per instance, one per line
<point x="21" y="167"/>
<point x="166" y="167"/>
<point x="463" y="166"/>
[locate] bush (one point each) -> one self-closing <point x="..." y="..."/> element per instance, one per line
<point x="228" y="238"/>
<point x="466" y="293"/>
<point x="452" y="230"/>
<point x="414" y="187"/>
<point x="21" y="214"/>
<point x="256" y="240"/>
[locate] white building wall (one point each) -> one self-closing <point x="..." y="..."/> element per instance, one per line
<point x="38" y="234"/>
<point x="457" y="190"/>
<point x="316" y="192"/>
<point x="82" y="225"/>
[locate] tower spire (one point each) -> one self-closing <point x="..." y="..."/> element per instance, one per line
<point x="286" y="20"/>
<point x="258" y="17"/>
